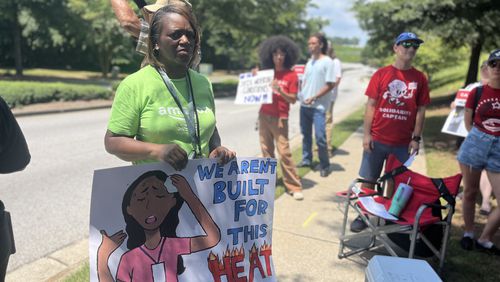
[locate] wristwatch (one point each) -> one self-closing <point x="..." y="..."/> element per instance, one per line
<point x="416" y="139"/>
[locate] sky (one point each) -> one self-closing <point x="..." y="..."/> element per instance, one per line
<point x="343" y="23"/>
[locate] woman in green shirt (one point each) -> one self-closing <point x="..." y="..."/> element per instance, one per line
<point x="152" y="118"/>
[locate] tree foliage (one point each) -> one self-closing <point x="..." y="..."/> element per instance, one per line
<point x="233" y="29"/>
<point x="101" y="32"/>
<point x="457" y="23"/>
<point x="85" y="34"/>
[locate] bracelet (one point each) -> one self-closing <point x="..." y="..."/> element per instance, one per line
<point x="416" y="139"/>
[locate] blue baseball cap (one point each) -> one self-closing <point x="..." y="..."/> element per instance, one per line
<point x="407" y="36"/>
<point x="494" y="56"/>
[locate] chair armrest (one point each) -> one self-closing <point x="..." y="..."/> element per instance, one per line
<point x="361" y="180"/>
<point x="435" y="206"/>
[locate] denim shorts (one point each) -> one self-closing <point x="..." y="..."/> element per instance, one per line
<point x="480" y="150"/>
<point x="373" y="162"/>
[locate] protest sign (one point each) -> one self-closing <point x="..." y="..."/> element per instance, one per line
<point x="299" y="70"/>
<point x="255" y="89"/>
<point x="454" y="123"/>
<point x="207" y="222"/>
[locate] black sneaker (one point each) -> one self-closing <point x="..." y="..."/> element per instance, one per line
<point x="358" y="225"/>
<point x="490" y="251"/>
<point x="467" y="243"/>
<point x="324" y="172"/>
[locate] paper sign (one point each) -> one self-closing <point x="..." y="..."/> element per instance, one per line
<point x="376" y="208"/>
<point x="216" y="225"/>
<point x="299" y="70"/>
<point x="255" y="89"/>
<point x="454" y="123"/>
<point x="461" y="97"/>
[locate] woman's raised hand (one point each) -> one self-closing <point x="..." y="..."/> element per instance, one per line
<point x="181" y="184"/>
<point x="110" y="243"/>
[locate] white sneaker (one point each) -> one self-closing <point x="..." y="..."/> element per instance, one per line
<point x="298" y="196"/>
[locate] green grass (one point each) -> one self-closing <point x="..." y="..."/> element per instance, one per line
<point x="80" y="275"/>
<point x="448" y="80"/>
<point x="340" y="133"/>
<point x="348" y="54"/>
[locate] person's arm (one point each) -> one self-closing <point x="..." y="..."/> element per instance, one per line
<point x="201" y="214"/>
<point x="323" y="91"/>
<point x="126" y="17"/>
<point x="468" y="119"/>
<point x="129" y="149"/>
<point x="337" y="82"/>
<point x="417" y="132"/>
<point x="14" y="152"/>
<point x="108" y="245"/>
<point x="289" y="97"/>
<point x="215" y="140"/>
<point x="217" y="151"/>
<point x="367" y="124"/>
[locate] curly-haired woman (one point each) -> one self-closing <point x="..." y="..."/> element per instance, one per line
<point x="280" y="53"/>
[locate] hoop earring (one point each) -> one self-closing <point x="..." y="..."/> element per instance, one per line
<point x="156" y="50"/>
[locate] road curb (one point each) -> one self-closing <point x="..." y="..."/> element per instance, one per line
<point x="54" y="267"/>
<point x="61" y="107"/>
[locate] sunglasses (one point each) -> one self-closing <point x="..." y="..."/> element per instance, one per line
<point x="408" y="44"/>
<point x="493" y="64"/>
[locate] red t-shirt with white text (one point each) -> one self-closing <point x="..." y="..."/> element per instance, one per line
<point x="288" y="82"/>
<point x="398" y="93"/>
<point x="487" y="113"/>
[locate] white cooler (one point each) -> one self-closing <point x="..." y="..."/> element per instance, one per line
<point x="389" y="269"/>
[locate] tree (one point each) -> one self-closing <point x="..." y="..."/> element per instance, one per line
<point x="464" y="22"/>
<point x="233" y="29"/>
<point x="102" y="32"/>
<point x="457" y="23"/>
<point x="23" y="20"/>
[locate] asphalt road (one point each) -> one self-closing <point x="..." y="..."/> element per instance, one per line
<point x="49" y="201"/>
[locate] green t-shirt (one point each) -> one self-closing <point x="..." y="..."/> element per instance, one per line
<point x="144" y="108"/>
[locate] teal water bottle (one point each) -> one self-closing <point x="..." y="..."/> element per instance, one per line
<point x="403" y="194"/>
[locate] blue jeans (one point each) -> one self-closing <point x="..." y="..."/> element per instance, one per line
<point x="308" y="118"/>
<point x="480" y="150"/>
<point x="372" y="163"/>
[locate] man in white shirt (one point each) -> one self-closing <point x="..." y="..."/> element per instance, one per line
<point x="314" y="100"/>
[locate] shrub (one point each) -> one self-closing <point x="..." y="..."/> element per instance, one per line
<point x="225" y="88"/>
<point x="17" y="93"/>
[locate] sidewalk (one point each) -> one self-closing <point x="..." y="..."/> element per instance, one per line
<point x="305" y="233"/>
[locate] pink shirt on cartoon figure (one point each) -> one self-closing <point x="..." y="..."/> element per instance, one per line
<point x="487" y="113"/>
<point x="137" y="264"/>
<point x="289" y="83"/>
<point x="398" y="93"/>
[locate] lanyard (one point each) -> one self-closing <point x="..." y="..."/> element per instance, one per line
<point x="159" y="253"/>
<point x="192" y="113"/>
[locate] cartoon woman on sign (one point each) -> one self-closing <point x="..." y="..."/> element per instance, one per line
<point x="151" y="217"/>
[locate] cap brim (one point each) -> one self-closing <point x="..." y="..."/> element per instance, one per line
<point x="153" y="7"/>
<point x="410" y="39"/>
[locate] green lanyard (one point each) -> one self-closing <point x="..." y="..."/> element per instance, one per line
<point x="190" y="116"/>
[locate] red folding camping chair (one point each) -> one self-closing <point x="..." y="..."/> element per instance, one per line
<point x="421" y="213"/>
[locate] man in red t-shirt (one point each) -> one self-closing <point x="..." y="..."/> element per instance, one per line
<point x="395" y="112"/>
